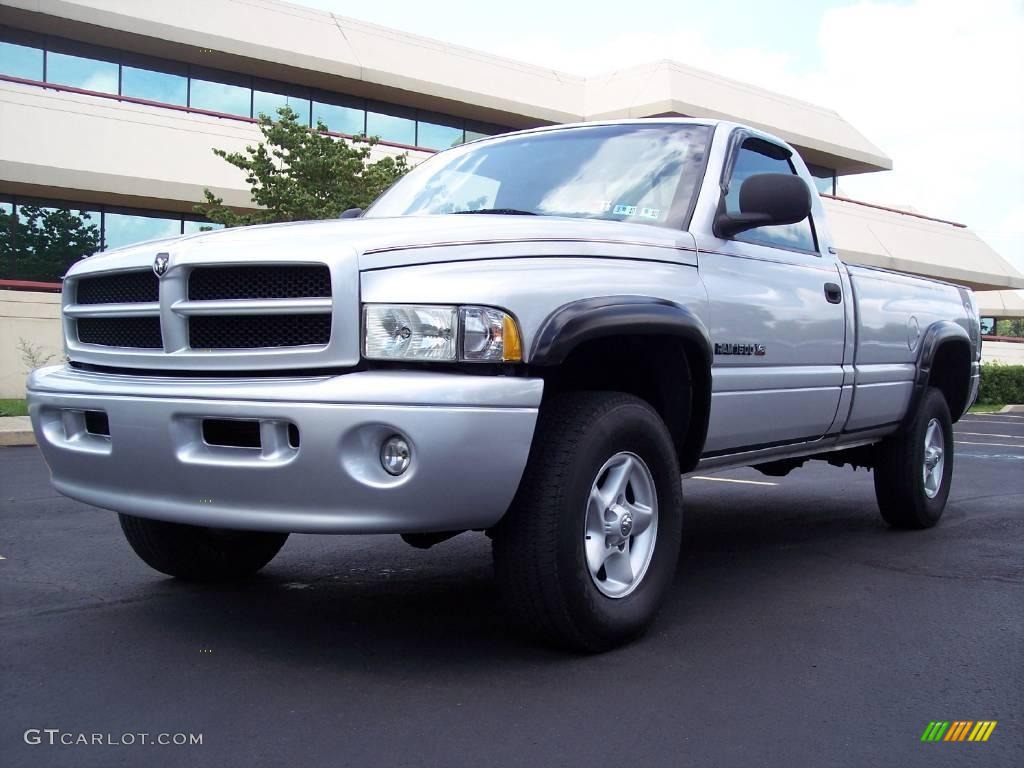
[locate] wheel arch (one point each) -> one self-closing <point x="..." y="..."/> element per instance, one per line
<point x="944" y="362"/>
<point x="571" y="350"/>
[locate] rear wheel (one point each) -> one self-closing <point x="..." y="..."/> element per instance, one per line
<point x="587" y="553"/>
<point x="913" y="469"/>
<point x="195" y="553"/>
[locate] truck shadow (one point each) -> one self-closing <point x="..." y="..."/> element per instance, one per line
<point x="398" y="612"/>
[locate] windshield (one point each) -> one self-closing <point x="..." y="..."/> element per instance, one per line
<point x="639" y="173"/>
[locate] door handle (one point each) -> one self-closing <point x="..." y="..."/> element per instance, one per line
<point x="833" y="293"/>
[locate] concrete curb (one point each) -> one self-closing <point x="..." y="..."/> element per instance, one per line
<point x="1012" y="409"/>
<point x="16" y="430"/>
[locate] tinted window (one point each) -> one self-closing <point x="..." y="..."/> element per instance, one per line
<point x="220" y="97"/>
<point x="751" y="161"/>
<point x="42" y="242"/>
<point x="153" y="85"/>
<point x="824" y="179"/>
<point x="6" y="241"/>
<point x="340" y="119"/>
<point x="124" y="229"/>
<point x="475" y="130"/>
<point x="81" y="72"/>
<point x="21" y="61"/>
<point x="194" y="227"/>
<point x="400" y="130"/>
<point x="267" y="103"/>
<point x="437" y="136"/>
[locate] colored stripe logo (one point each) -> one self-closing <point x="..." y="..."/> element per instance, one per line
<point x="958" y="730"/>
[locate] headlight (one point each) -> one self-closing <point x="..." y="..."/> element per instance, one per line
<point x="442" y="333"/>
<point x="409" y="332"/>
<point x="490" y="335"/>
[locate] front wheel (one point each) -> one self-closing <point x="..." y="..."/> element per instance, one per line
<point x="195" y="553"/>
<point x="587" y="552"/>
<point x="914" y="468"/>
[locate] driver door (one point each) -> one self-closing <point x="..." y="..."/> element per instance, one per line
<point x="776" y="323"/>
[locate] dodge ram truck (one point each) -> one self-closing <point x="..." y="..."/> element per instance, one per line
<point x="534" y="336"/>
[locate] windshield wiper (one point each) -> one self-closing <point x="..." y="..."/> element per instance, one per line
<point x="502" y="211"/>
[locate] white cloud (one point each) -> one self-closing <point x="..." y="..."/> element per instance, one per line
<point x="940" y="87"/>
<point x="937" y="84"/>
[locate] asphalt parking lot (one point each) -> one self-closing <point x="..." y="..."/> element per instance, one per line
<point x="802" y="632"/>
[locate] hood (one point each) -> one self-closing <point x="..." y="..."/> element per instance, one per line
<point x="384" y="242"/>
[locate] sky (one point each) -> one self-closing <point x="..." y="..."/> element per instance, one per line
<point x="938" y="85"/>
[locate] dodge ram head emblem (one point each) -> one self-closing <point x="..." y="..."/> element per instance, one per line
<point x="160" y="264"/>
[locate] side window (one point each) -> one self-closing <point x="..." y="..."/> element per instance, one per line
<point x="753" y="158"/>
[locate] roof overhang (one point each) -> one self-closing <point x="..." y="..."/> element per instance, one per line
<point x="918" y="245"/>
<point x="1001" y="304"/>
<point x="296" y="44"/>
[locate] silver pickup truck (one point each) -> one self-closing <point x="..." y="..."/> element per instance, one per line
<point x="533" y="336"/>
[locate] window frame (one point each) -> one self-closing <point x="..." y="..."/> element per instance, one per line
<point x="100" y="211"/>
<point x="214" y="76"/>
<point x="46" y="44"/>
<point x="26" y="39"/>
<point x="396" y="111"/>
<point x="63" y="46"/>
<point x="153" y="64"/>
<point x="332" y="99"/>
<point x="737" y="140"/>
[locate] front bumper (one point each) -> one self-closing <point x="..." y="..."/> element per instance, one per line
<point x="470" y="438"/>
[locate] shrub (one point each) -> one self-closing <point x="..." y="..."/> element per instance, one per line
<point x="1001" y="384"/>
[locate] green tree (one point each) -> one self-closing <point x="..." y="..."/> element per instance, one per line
<point x="297" y="174"/>
<point x="42" y="243"/>
<point x="1010" y="327"/>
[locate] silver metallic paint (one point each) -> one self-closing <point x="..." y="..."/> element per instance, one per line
<point x="155" y="463"/>
<point x="827" y="368"/>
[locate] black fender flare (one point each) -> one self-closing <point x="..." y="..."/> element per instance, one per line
<point x="586" y="320"/>
<point x="935" y="335"/>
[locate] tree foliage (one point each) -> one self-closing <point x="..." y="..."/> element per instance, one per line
<point x="1001" y="384"/>
<point x="42" y="243"/>
<point x="1010" y="327"/>
<point x="298" y="174"/>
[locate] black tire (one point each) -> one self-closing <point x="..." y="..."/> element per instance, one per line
<point x="193" y="553"/>
<point x="539" y="557"/>
<point x="899" y="468"/>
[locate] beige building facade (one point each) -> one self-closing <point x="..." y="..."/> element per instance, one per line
<point x="112" y="108"/>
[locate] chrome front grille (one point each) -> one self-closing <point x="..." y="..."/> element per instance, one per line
<point x="248" y="315"/>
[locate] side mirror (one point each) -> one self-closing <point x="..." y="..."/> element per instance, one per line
<point x="765" y="199"/>
<point x="351" y="213"/>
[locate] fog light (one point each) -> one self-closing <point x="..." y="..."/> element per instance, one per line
<point x="395" y="455"/>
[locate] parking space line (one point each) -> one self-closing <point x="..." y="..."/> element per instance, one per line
<point x="989" y="434"/>
<point x="1000" y="423"/>
<point x="730" y="480"/>
<point x="1002" y="445"/>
